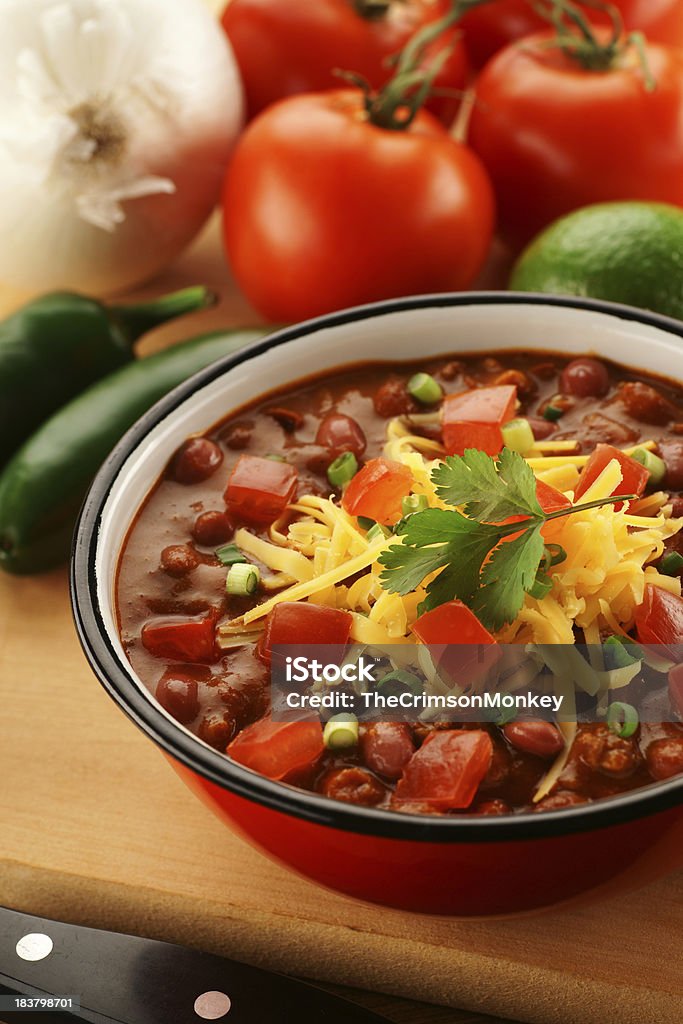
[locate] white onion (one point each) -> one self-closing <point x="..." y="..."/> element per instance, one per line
<point x="117" y="119"/>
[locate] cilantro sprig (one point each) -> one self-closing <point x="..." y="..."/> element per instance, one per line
<point x="463" y="544"/>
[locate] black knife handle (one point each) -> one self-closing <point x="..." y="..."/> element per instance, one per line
<point x="123" y="979"/>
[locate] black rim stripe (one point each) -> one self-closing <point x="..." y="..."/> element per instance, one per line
<point x="117" y="678"/>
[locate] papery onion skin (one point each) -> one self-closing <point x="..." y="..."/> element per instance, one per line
<point x="153" y="88"/>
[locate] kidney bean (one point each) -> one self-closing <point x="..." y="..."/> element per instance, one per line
<point x="645" y="404"/>
<point x="339" y="433"/>
<point x="178" y="559"/>
<point x="393" y="399"/>
<point x="289" y="419"/>
<point x="534" y="737"/>
<point x="217" y="728"/>
<point x="492" y="807"/>
<point x="665" y="757"/>
<point x="196" y="460"/>
<point x="238" y="437"/>
<point x="212" y="528"/>
<point x="585" y="377"/>
<point x="177" y="692"/>
<point x="354" y="786"/>
<point x="541" y="428"/>
<point x="386" y="748"/>
<point x="601" y="750"/>
<point x="556" y="801"/>
<point x="672" y="453"/>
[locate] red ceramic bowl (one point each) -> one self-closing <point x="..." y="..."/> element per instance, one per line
<point x="442" y="865"/>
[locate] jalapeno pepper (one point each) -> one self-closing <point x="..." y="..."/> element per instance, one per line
<point x="43" y="485"/>
<point x="57" y="345"/>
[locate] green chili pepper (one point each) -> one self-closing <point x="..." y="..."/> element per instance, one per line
<point x="60" y="344"/>
<point x="43" y="485"/>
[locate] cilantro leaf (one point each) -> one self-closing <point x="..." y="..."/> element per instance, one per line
<point x="489" y="491"/>
<point x="438" y="539"/>
<point x="508" y="575"/>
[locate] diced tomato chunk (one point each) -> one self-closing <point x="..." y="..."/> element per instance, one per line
<point x="473" y="419"/>
<point x="181" y="639"/>
<point x="446" y="771"/>
<point x="451" y="623"/>
<point x="297" y="622"/>
<point x="259" y="489"/>
<point x="659" y="620"/>
<point x="634" y="475"/>
<point x="284" y="751"/>
<point x="459" y="631"/>
<point x="377" y="491"/>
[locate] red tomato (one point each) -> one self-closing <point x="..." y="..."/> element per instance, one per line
<point x="447" y="769"/>
<point x="491" y="27"/>
<point x="451" y="623"/>
<point x="549" y="498"/>
<point x="659" y="620"/>
<point x="284" y="48"/>
<point x="461" y="633"/>
<point x="284" y="751"/>
<point x="556" y="137"/>
<point x="181" y="639"/>
<point x="295" y="622"/>
<point x="323" y="209"/>
<point x="635" y="476"/>
<point x="377" y="491"/>
<point x="472" y="419"/>
<point x="259" y="489"/>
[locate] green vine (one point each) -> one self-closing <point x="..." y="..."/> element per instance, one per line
<point x="577" y="39"/>
<point x="395" y="106"/>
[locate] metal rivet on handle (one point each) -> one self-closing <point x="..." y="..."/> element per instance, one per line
<point x="35" y="946"/>
<point x="212" y="1005"/>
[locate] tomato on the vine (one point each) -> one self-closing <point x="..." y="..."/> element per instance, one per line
<point x="323" y="208"/>
<point x="285" y="47"/>
<point x="556" y="136"/>
<point x="492" y="26"/>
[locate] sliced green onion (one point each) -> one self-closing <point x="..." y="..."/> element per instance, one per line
<point x="400" y="681"/>
<point x="414" y="503"/>
<point x="425" y="389"/>
<point x="342" y="470"/>
<point x="553" y="413"/>
<point x="276" y="458"/>
<point x="542" y="586"/>
<point x="365" y="523"/>
<point x="671" y="564"/>
<point x="655" y="466"/>
<point x="622" y="719"/>
<point x="243" y="579"/>
<point x="557" y="553"/>
<point x="621" y="652"/>
<point x="376" y="531"/>
<point x="229" y="554"/>
<point x="341" y="732"/>
<point x="518" y="435"/>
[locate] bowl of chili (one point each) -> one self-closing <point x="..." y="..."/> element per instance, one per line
<point x="156" y="542"/>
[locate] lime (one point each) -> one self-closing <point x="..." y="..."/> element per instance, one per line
<point x="625" y="252"/>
